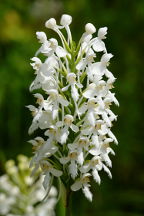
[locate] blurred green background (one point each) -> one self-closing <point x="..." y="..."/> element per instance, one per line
<point x="19" y="20"/>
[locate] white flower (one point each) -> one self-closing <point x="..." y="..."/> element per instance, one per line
<point x="73" y="158"/>
<point x="66" y="20"/>
<point x="80" y="145"/>
<point x="98" y="44"/>
<point x="83" y="182"/>
<point x="47" y="168"/>
<point x="102" y="32"/>
<point x="41" y="36"/>
<point x="73" y="108"/>
<point x="37" y="63"/>
<point x="71" y="78"/>
<point x="90" y="55"/>
<point x="40" y="100"/>
<point x="66" y="124"/>
<point x="90" y="28"/>
<point x="68" y="119"/>
<point x="51" y="23"/>
<point x="55" y="99"/>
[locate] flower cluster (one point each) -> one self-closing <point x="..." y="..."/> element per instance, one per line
<point x="20" y="195"/>
<point x="73" y="112"/>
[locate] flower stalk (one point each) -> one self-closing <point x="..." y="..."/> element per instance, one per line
<point x="68" y="202"/>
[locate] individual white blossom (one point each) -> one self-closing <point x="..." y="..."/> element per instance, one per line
<point x="65" y="20"/>
<point x="21" y="195"/>
<point x="83" y="182"/>
<point x="51" y="23"/>
<point x="90" y="28"/>
<point x="72" y="88"/>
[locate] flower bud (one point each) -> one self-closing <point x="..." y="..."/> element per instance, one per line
<point x="102" y="32"/>
<point x="51" y="23"/>
<point x="90" y="28"/>
<point x="53" y="43"/>
<point x="65" y="20"/>
<point x="41" y="36"/>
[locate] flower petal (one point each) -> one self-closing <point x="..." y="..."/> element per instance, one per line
<point x="33" y="127"/>
<point x="107" y="160"/>
<point x="73" y="169"/>
<point x="80" y="158"/>
<point x="82" y="108"/>
<point x="46" y="180"/>
<point x="60" y="52"/>
<point x="91" y="118"/>
<point x="102" y="32"/>
<point x="107" y="171"/>
<point x="56" y="172"/>
<point x="74" y="128"/>
<point x="99" y="45"/>
<point x="85" y="168"/>
<point x="76" y="186"/>
<point x="74" y="92"/>
<point x="96" y="176"/>
<point x="87" y="193"/>
<point x="63" y="101"/>
<point x="64" y="136"/>
<point x="112" y="136"/>
<point x="90" y="91"/>
<point x="64" y="160"/>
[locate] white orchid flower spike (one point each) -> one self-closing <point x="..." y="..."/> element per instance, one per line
<point x="73" y="90"/>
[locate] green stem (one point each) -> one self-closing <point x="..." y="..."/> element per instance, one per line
<point x="68" y="203"/>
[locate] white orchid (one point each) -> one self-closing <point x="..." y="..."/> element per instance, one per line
<point x="73" y="107"/>
<point x="83" y="182"/>
<point x="73" y="158"/>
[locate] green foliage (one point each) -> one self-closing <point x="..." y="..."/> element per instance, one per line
<point x="19" y="20"/>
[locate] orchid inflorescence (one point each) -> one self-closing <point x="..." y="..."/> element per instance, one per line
<point x="73" y="109"/>
<point x="20" y="194"/>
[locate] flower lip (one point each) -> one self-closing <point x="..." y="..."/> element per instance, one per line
<point x="65" y="20"/>
<point x="90" y="28"/>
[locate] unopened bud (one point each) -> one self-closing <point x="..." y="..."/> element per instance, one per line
<point x="51" y="23"/>
<point x="66" y="20"/>
<point x="41" y="36"/>
<point x="102" y="32"/>
<point x="90" y="28"/>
